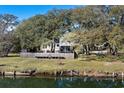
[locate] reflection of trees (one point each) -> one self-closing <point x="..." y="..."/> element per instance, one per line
<point x="62" y="82"/>
<point x="88" y="82"/>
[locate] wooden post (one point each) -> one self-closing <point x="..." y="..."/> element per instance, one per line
<point x="84" y="73"/>
<point x="61" y="73"/>
<point x="71" y="73"/>
<point x="122" y="76"/>
<point x="3" y="73"/>
<point x="14" y="73"/>
<point x="113" y="79"/>
<point x="55" y="73"/>
<point x="113" y="74"/>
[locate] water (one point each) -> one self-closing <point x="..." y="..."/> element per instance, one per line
<point x="62" y="82"/>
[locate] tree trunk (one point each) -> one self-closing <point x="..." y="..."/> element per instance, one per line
<point x="113" y="50"/>
<point x="87" y="50"/>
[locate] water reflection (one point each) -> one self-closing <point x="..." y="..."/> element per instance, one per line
<point x="88" y="82"/>
<point x="62" y="82"/>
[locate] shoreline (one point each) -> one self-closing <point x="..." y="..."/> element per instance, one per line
<point x="70" y="73"/>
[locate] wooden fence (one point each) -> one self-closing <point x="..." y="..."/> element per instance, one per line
<point x="48" y="55"/>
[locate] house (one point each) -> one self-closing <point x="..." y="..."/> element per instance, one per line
<point x="56" y="48"/>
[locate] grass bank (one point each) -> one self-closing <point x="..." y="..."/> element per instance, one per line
<point x="84" y="63"/>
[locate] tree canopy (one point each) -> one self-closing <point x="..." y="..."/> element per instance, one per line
<point x="7" y="25"/>
<point x="88" y="25"/>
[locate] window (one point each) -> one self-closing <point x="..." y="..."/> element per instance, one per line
<point x="57" y="45"/>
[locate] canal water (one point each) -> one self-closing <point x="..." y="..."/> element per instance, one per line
<point x="61" y="82"/>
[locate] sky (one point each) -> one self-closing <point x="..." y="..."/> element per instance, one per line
<point x="26" y="11"/>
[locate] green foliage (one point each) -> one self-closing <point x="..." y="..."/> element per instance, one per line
<point x="116" y="37"/>
<point x="7" y="38"/>
<point x="89" y="25"/>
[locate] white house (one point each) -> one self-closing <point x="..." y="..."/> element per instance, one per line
<point x="58" y="46"/>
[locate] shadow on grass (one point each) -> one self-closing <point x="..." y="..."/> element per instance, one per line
<point x="106" y="58"/>
<point x="1" y="65"/>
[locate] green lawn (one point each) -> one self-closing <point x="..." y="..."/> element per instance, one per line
<point x="87" y="63"/>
